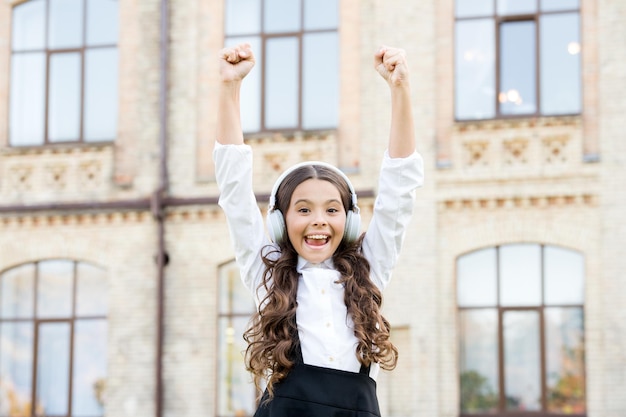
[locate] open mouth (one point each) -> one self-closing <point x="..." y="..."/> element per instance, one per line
<point x="316" y="240"/>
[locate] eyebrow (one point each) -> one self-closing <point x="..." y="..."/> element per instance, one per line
<point x="304" y="200"/>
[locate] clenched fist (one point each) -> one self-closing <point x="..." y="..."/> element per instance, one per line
<point x="236" y="62"/>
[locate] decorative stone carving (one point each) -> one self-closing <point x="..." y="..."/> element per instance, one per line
<point x="515" y="152"/>
<point x="555" y="149"/>
<point x="90" y="174"/>
<point x="276" y="161"/>
<point x="56" y="176"/>
<point x="475" y="154"/>
<point x="21" y="177"/>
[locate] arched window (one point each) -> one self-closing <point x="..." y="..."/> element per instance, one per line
<point x="53" y="332"/>
<point x="521" y="334"/>
<point x="63" y="72"/>
<point x="236" y="392"/>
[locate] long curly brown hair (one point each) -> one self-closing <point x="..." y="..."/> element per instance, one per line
<point x="272" y="335"/>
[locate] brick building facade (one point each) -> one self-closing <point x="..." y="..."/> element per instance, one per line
<point x="143" y="206"/>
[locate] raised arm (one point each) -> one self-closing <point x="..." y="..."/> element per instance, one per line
<point x="391" y="64"/>
<point x="235" y="63"/>
<point x="233" y="168"/>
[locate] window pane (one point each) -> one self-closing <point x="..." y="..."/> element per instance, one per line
<point x="479" y="360"/>
<point x="65" y="29"/>
<point x="475" y="69"/>
<point x="560" y="64"/>
<point x="565" y="360"/>
<point x="101" y="96"/>
<point x="520" y="275"/>
<point x="54" y="292"/>
<point x="236" y="392"/>
<point x="320" y="100"/>
<point x="91" y="290"/>
<point x="28" y="25"/>
<point x="102" y="22"/>
<point x="321" y="14"/>
<point x="476" y="279"/>
<point x="53" y="368"/>
<point x="64" y="106"/>
<point x="89" y="372"/>
<point x="16" y="292"/>
<point x="551" y="5"/>
<point x="234" y="297"/>
<point x="564" y="276"/>
<point x="281" y="16"/>
<point x="473" y="8"/>
<point x="16" y="368"/>
<point x="517" y="94"/>
<point x="242" y="17"/>
<point x="522" y="360"/>
<point x="28" y="78"/>
<point x="282" y="84"/>
<point x="509" y="7"/>
<point x="251" y="88"/>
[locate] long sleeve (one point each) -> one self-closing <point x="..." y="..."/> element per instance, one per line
<point x="233" y="171"/>
<point x="399" y="178"/>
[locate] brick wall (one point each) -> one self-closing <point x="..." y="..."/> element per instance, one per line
<point x="487" y="183"/>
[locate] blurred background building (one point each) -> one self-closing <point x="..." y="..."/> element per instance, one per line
<point x="119" y="295"/>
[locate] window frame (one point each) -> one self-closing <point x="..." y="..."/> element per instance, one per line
<point x="497" y="22"/>
<point x="37" y="321"/>
<point x="264" y="37"/>
<point x="500" y="311"/>
<point x="49" y="52"/>
<point x="228" y="274"/>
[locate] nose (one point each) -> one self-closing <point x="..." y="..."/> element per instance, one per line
<point x="320" y="219"/>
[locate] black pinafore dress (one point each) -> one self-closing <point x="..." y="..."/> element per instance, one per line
<point x="313" y="391"/>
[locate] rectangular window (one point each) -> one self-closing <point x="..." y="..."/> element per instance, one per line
<point x="53" y="368"/>
<point x="295" y="85"/>
<point x="281" y="82"/>
<point x="560" y="72"/>
<point x="16" y="366"/>
<point x="479" y="360"/>
<point x="518" y="84"/>
<point x="522" y="361"/>
<point x="565" y="366"/>
<point x="517" y="58"/>
<point x="475" y="73"/>
<point x="63" y="72"/>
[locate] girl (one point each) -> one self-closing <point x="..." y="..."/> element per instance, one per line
<point x="318" y="338"/>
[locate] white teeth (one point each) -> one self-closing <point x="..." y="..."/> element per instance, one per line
<point x="320" y="237"/>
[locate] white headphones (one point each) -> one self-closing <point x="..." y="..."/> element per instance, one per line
<point x="276" y="221"/>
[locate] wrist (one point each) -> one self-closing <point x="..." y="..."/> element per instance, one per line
<point x="400" y="87"/>
<point x="230" y="84"/>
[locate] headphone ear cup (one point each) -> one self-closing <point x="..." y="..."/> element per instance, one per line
<point x="353" y="226"/>
<point x="276" y="226"/>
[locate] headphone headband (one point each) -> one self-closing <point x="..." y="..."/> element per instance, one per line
<point x="279" y="181"/>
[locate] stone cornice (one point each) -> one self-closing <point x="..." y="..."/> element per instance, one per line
<point x="518" y="202"/>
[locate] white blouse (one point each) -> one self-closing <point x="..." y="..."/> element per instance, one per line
<point x="326" y="331"/>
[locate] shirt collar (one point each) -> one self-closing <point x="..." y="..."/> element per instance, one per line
<point x="304" y="264"/>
